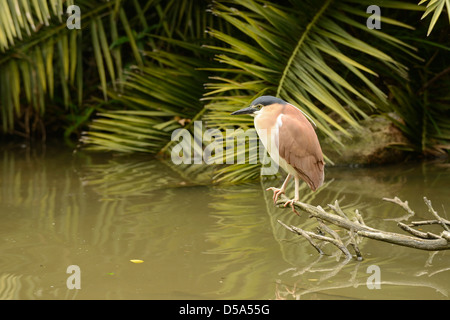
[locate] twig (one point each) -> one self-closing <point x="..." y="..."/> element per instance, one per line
<point x="359" y="218"/>
<point x="309" y="235"/>
<point x="302" y="233"/>
<point x="338" y="241"/>
<point x="428" y="222"/>
<point x="355" y="245"/>
<point x="445" y="235"/>
<point x="336" y="208"/>
<point x="404" y="205"/>
<point x="417" y="233"/>
<point x="434" y="213"/>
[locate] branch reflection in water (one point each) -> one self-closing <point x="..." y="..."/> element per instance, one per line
<point x="197" y="241"/>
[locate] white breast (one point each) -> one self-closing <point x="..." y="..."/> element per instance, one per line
<point x="269" y="138"/>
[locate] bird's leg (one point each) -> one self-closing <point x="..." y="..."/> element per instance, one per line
<point x="276" y="191"/>
<point x="296" y="197"/>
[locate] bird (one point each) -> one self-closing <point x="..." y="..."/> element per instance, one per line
<point x="291" y="141"/>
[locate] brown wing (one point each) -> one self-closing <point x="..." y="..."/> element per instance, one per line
<point x="299" y="146"/>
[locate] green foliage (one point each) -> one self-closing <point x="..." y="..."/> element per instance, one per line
<point x="435" y="6"/>
<point x="165" y="93"/>
<point x="45" y="63"/>
<point x="159" y="97"/>
<point x="319" y="55"/>
<point x="424" y="105"/>
<point x="297" y="53"/>
<point x="138" y="69"/>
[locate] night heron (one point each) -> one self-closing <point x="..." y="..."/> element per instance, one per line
<point x="291" y="142"/>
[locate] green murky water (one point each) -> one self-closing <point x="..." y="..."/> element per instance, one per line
<point x="196" y="241"/>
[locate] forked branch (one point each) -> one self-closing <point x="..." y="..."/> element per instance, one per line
<point x="356" y="227"/>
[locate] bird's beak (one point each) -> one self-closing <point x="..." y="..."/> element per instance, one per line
<point x="248" y="110"/>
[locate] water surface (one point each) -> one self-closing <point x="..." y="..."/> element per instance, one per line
<point x="199" y="241"/>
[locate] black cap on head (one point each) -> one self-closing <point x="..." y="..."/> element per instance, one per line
<point x="263" y="101"/>
<point x="267" y="100"/>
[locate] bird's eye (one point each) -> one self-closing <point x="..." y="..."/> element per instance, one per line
<point x="259" y="106"/>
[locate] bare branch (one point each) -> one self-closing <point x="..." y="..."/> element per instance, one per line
<point x="417" y="233"/>
<point x="403" y="204"/>
<point x="336" y="208"/>
<point x="356" y="227"/>
<point x="434" y="213"/>
<point x="302" y="233"/>
<point x="445" y="235"/>
<point x="337" y="239"/>
<point x="359" y="218"/>
<point x="355" y="245"/>
<point x="428" y="222"/>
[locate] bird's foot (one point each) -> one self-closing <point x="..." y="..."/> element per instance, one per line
<point x="291" y="203"/>
<point x="276" y="193"/>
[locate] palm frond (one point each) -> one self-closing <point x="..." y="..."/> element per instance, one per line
<point x="436" y="7"/>
<point x="307" y="54"/>
<point x="34" y="37"/>
<point x="164" y="93"/>
<point x="305" y="64"/>
<point x="144" y="65"/>
<point x="159" y="99"/>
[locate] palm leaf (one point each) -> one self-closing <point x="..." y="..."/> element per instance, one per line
<point x="436" y="7"/>
<point x="34" y="36"/>
<point x="300" y="54"/>
<point x="159" y="98"/>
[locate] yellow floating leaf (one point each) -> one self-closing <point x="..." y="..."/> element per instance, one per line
<point x="136" y="261"/>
